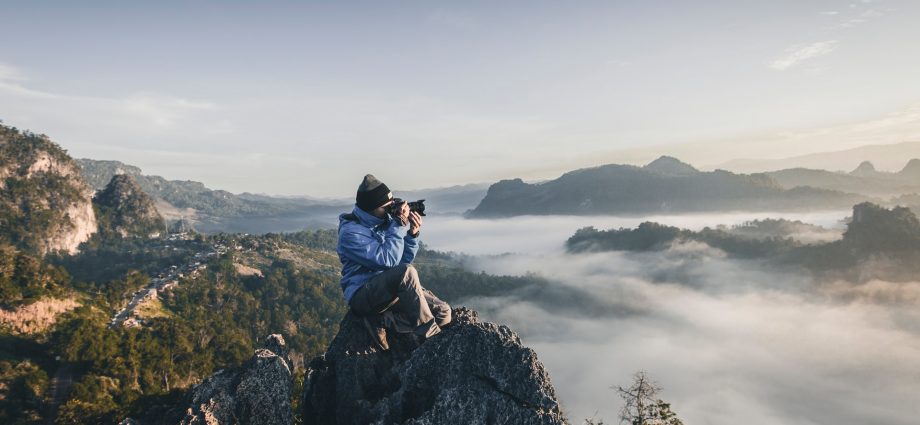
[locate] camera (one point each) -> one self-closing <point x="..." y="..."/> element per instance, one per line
<point x="417" y="206"/>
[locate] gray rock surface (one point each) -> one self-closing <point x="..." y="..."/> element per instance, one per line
<point x="471" y="373"/>
<point x="259" y="392"/>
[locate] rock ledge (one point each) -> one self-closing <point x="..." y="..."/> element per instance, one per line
<point x="471" y="373"/>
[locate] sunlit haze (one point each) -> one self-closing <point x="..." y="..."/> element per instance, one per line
<point x="303" y="98"/>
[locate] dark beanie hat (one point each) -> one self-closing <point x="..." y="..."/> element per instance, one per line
<point x="372" y="193"/>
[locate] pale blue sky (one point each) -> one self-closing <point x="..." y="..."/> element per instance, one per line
<point x="305" y="98"/>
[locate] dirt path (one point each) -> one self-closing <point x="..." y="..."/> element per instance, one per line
<point x="58" y="390"/>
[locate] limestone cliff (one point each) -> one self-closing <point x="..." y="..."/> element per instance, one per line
<point x="45" y="205"/>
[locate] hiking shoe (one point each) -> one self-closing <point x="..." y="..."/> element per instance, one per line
<point x="378" y="335"/>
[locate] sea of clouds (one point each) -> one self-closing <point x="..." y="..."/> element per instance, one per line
<point x="729" y="341"/>
<point x="547" y="233"/>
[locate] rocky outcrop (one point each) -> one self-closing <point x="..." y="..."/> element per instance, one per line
<point x="471" y="373"/>
<point x="259" y="392"/>
<point x="44" y="203"/>
<point x="126" y="211"/>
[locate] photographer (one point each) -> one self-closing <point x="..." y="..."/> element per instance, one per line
<point x="377" y="242"/>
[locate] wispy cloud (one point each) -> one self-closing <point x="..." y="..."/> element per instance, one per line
<point x="314" y="123"/>
<point x="860" y="19"/>
<point x="9" y="73"/>
<point x="11" y="79"/>
<point x="163" y="111"/>
<point x="158" y="109"/>
<point x="799" y="53"/>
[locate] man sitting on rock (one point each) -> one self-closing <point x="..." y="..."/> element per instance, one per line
<point x="376" y="248"/>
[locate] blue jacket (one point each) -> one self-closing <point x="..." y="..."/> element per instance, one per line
<point x="369" y="245"/>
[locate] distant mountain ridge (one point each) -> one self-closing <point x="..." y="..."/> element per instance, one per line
<point x="865" y="179"/>
<point x="183" y="193"/>
<point x="214" y="210"/>
<point x="886" y="157"/>
<point x="664" y="185"/>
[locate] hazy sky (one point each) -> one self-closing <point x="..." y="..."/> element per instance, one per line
<point x="306" y="97"/>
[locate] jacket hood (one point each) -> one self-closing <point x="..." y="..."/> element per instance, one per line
<point x="364" y="218"/>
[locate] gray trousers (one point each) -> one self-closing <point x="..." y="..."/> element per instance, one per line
<point x="397" y="294"/>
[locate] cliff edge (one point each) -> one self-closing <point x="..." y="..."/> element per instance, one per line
<point x="471" y="373"/>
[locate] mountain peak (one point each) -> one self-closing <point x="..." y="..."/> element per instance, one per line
<point x="865" y="168"/>
<point x="912" y="168"/>
<point x="125" y="209"/>
<point x="671" y="166"/>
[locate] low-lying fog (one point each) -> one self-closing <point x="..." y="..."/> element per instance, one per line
<point x="730" y="341"/>
<point x="547" y="233"/>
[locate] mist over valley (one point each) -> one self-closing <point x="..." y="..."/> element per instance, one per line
<point x="731" y="340"/>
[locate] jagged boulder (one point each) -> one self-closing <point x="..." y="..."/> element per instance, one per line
<point x="259" y="392"/>
<point x="471" y="373"/>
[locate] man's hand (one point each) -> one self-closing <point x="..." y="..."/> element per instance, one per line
<point x="416" y="221"/>
<point x="403" y="213"/>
